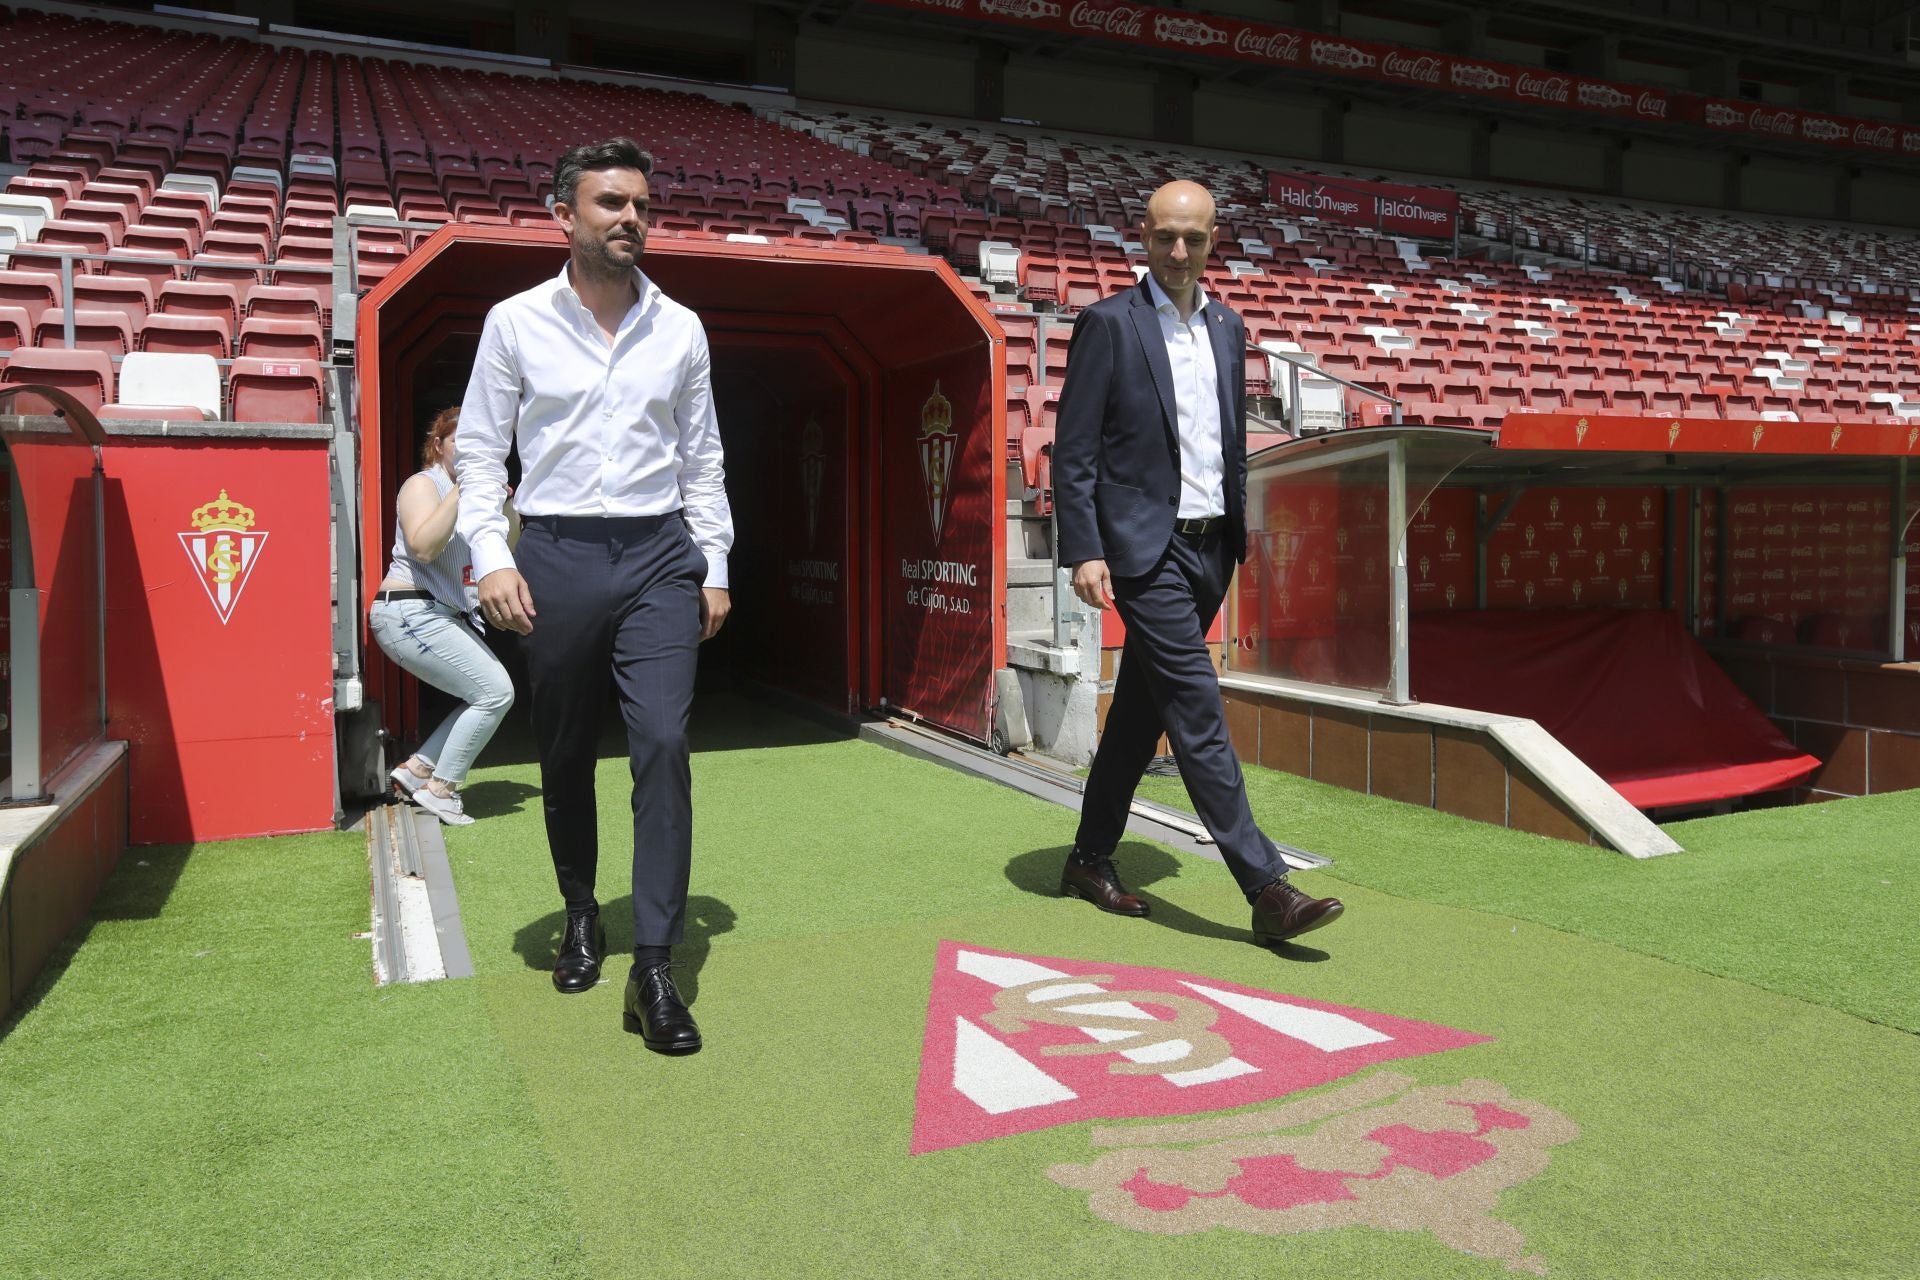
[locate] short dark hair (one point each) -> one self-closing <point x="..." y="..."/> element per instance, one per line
<point x="614" y="153"/>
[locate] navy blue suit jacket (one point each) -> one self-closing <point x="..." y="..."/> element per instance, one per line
<point x="1116" y="452"/>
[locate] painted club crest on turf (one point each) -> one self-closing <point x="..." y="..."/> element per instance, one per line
<point x="224" y="546"/>
<point x="937" y="444"/>
<point x="1381" y="1153"/>
<point x="1017" y="1043"/>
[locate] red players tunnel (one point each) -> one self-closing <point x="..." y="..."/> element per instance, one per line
<point x="861" y="401"/>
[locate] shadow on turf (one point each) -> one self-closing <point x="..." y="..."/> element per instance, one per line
<point x="538" y="943"/>
<point x="1141" y="865"/>
<point x="495" y="796"/>
<point x="137" y="889"/>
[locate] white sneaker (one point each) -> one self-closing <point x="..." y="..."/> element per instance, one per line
<point x="406" y="779"/>
<point x="448" y="809"/>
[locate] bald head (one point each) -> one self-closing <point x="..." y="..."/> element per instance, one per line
<point x="1180" y="200"/>
<point x="1178" y="232"/>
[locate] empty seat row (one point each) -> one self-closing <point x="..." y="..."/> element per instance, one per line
<point x="166" y="385"/>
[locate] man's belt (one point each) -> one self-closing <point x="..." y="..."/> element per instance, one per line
<point x="1198" y="526"/>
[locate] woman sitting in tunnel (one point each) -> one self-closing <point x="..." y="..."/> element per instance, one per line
<point x="426" y="618"/>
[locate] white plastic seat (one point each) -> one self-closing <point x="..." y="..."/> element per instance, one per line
<point x="999" y="262"/>
<point x="33" y="212"/>
<point x="153" y="378"/>
<point x="193" y="182"/>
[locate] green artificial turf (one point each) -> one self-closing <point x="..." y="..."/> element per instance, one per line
<point x="1815" y="901"/>
<point x="213" y="1087"/>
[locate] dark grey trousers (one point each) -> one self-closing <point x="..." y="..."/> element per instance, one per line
<point x="1167" y="684"/>
<point x="617" y="603"/>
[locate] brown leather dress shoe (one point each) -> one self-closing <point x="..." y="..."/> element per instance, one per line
<point x="1097" y="882"/>
<point x="1282" y="911"/>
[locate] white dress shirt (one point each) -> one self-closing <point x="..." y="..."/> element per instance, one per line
<point x="625" y="428"/>
<point x="1196" y="402"/>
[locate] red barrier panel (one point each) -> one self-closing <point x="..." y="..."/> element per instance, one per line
<point x="219" y="633"/>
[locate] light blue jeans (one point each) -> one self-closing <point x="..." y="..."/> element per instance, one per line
<point x="431" y="641"/>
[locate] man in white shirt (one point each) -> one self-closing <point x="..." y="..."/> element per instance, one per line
<point x="605" y="384"/>
<point x="1150" y="492"/>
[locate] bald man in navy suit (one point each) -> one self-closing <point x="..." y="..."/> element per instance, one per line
<point x="1150" y="484"/>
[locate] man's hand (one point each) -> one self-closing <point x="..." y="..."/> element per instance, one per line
<point x="1093" y="584"/>
<point x="505" y="601"/>
<point x="715" y="604"/>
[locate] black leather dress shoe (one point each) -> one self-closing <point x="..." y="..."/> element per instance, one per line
<point x="1097" y="882"/>
<point x="656" y="1013"/>
<point x="578" y="967"/>
<point x="1282" y="911"/>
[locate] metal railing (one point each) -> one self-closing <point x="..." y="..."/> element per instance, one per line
<point x="1299" y="362"/>
<point x="66" y="259"/>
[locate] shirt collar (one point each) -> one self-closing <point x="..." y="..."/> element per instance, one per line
<point x="1161" y="302"/>
<point x="563" y="286"/>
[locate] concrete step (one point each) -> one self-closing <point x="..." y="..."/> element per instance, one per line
<point x="1035" y="650"/>
<point x="1030" y="608"/>
<point x="1025" y="572"/>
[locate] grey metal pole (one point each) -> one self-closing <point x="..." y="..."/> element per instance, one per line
<point x="66" y="299"/>
<point x="1398" y="681"/>
<point x="1897" y="605"/>
<point x="100" y="575"/>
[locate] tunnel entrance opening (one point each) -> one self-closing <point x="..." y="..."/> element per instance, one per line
<point x="860" y="397"/>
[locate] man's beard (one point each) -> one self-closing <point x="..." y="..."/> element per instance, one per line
<point x="602" y="263"/>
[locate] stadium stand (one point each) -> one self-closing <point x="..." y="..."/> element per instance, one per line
<point x="201" y="191"/>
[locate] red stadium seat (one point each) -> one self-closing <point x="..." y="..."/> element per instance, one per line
<point x="280" y="339"/>
<point x="202" y="335"/>
<point x="131" y="298"/>
<point x="85" y="375"/>
<point x="275" y="391"/>
<point x="16" y="330"/>
<point x="104" y="331"/>
<point x="32" y="291"/>
<point x="202" y="298"/>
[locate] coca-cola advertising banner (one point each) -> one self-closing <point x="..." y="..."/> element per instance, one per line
<point x="1214" y="35"/>
<point x="1381" y="206"/>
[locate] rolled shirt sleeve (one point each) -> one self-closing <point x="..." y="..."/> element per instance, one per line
<point x="703" y="479"/>
<point x="488" y="415"/>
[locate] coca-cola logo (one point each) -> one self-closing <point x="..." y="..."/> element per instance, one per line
<point x="1651" y="105"/>
<point x="1275" y="46"/>
<point x="1764" y="121"/>
<point x="1543" y="88"/>
<point x="1186" y="31"/>
<point x="1420" y="70"/>
<point x="1867" y="136"/>
<point x="1343" y="57"/>
<point x="1468" y="75"/>
<point x="1121" y="20"/>
<point x="1603" y="97"/>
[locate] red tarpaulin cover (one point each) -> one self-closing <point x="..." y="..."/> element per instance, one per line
<point x="1628" y="691"/>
